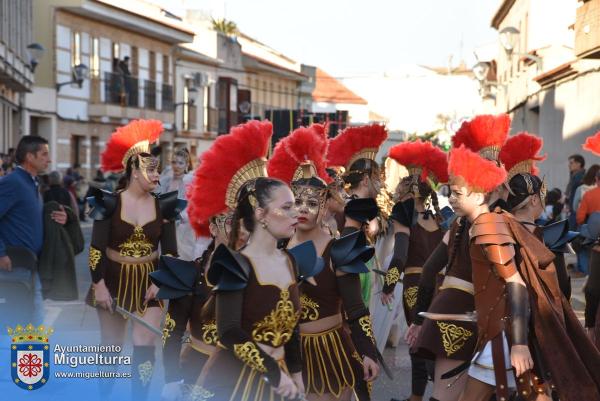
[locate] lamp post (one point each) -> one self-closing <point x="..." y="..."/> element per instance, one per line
<point x="35" y="51"/>
<point x="79" y="73"/>
<point x="508" y="37"/>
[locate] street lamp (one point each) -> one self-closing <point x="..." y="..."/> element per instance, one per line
<point x="35" y="51"/>
<point x="480" y="70"/>
<point x="79" y="74"/>
<point x="508" y="39"/>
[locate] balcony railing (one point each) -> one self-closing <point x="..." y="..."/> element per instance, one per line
<point x="150" y="95"/>
<point x="121" y="89"/>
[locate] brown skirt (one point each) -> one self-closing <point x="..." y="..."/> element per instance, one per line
<point x="331" y="364"/>
<point x="127" y="284"/>
<point x="226" y="378"/>
<point x="448" y="339"/>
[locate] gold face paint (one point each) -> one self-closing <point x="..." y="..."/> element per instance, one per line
<point x="148" y="164"/>
<point x="308" y="198"/>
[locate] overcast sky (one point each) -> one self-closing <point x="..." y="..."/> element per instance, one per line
<point x="346" y="37"/>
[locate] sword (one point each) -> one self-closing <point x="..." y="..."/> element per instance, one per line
<point x="137" y="319"/>
<point x="459" y="317"/>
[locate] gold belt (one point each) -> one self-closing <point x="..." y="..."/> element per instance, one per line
<point x="117" y="257"/>
<point x="457" y="284"/>
<point x="413" y="270"/>
<point x="331" y="330"/>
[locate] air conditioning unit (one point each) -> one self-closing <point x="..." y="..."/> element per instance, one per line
<point x="200" y="79"/>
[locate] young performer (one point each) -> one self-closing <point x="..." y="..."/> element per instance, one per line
<point x="416" y="231"/>
<point x="516" y="289"/>
<point x="257" y="296"/>
<point x="334" y="362"/>
<point x="128" y="227"/>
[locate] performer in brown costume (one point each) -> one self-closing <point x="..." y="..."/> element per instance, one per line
<point x="334" y="362"/>
<point x="452" y="343"/>
<point x="257" y="295"/>
<point x="515" y="284"/>
<point x="416" y="233"/>
<point x="128" y="227"/>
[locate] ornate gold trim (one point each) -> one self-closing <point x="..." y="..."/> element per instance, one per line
<point x="490" y="152"/>
<point x="366" y="326"/>
<point x="137" y="245"/>
<point x="276" y="328"/>
<point x="209" y="333"/>
<point x="250" y="355"/>
<point x="140" y="147"/>
<point x="306" y="170"/>
<point x="194" y="392"/>
<point x="410" y="296"/>
<point x="310" y="309"/>
<point x="167" y="328"/>
<point x="367" y="153"/>
<point x="145" y="371"/>
<point x="522" y="167"/>
<point x="254" y="169"/>
<point x="392" y="276"/>
<point x="453" y="337"/>
<point x="94" y="258"/>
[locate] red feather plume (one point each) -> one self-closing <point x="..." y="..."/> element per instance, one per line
<point x="479" y="173"/>
<point x="244" y="143"/>
<point x="522" y="147"/>
<point x="483" y="131"/>
<point x="303" y="144"/>
<point x="424" y="155"/>
<point x="592" y="144"/>
<point x="354" y="139"/>
<point x="124" y="138"/>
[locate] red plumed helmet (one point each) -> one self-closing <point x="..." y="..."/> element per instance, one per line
<point x="129" y="140"/>
<point x="231" y="160"/>
<point x="355" y="143"/>
<point x="484" y="134"/>
<point x="422" y="158"/>
<point x="469" y="169"/>
<point x="301" y="146"/>
<point x="520" y="152"/>
<point x="592" y="143"/>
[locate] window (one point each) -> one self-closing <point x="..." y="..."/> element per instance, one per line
<point x="166" y="69"/>
<point x="95" y="59"/>
<point x="186" y="107"/>
<point x="205" y="106"/>
<point x="116" y="53"/>
<point x="76" y="49"/>
<point x="152" y="66"/>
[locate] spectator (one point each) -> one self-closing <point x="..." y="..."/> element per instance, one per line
<point x="21" y="220"/>
<point x="554" y="207"/>
<point x="576" y="173"/>
<point x="96" y="186"/>
<point x="69" y="184"/>
<point x="588" y="182"/>
<point x="56" y="192"/>
<point x="124" y="66"/>
<point x="590" y="202"/>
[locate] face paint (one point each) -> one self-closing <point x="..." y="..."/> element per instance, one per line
<point x="224" y="222"/>
<point x="149" y="167"/>
<point x="309" y="199"/>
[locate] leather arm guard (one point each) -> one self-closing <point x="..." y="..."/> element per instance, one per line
<point x="396" y="266"/>
<point x="520" y="312"/>
<point x="293" y="352"/>
<point x="434" y="264"/>
<point x="358" y="317"/>
<point x="168" y="239"/>
<point x="179" y="311"/>
<point x="234" y="338"/>
<point x="97" y="259"/>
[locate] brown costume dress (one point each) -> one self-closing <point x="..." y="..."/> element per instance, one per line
<point x="269" y="316"/>
<point x="447" y="338"/>
<point x="128" y="282"/>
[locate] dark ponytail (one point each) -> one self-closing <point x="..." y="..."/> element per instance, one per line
<point x="258" y="190"/>
<point x="357" y="171"/>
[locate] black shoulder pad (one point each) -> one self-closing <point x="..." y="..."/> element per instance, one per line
<point x="404" y="212"/>
<point x="229" y="270"/>
<point x="350" y="253"/>
<point x="102" y="205"/>
<point x="175" y="277"/>
<point x="308" y="263"/>
<point x="362" y="210"/>
<point x="557" y="236"/>
<point x="170" y="205"/>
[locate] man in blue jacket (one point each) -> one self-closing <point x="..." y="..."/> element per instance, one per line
<point x="21" y="219"/>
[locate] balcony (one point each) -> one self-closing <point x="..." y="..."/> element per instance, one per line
<point x="121" y="96"/>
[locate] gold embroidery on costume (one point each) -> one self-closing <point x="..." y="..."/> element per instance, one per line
<point x="310" y="309"/>
<point x="276" y="328"/>
<point x="356" y="356"/>
<point x="137" y="245"/>
<point x="453" y="337"/>
<point x="193" y="392"/>
<point x="410" y="296"/>
<point x="94" y="259"/>
<point x="250" y="355"/>
<point x="365" y="325"/>
<point x="133" y="283"/>
<point x="167" y="328"/>
<point x="392" y="276"/>
<point x="145" y="372"/>
<point x="209" y="333"/>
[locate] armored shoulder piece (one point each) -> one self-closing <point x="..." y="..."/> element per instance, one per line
<point x="404" y="212"/>
<point x="557" y="236"/>
<point x="492" y="232"/>
<point x="102" y="205"/>
<point x="350" y="253"/>
<point x="170" y="205"/>
<point x="308" y="263"/>
<point x="362" y="210"/>
<point x="229" y="270"/>
<point x="176" y="278"/>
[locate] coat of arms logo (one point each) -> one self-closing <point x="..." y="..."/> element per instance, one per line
<point x="30" y="355"/>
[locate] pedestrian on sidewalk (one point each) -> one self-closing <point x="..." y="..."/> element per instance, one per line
<point x="576" y="173"/>
<point x="21" y="226"/>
